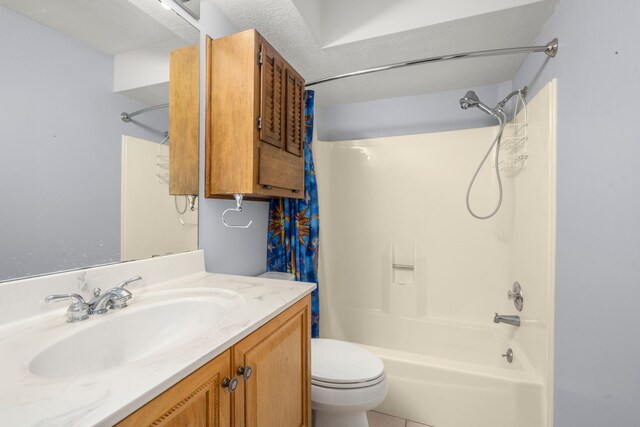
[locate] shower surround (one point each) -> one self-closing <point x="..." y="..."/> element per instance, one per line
<point x="407" y="272"/>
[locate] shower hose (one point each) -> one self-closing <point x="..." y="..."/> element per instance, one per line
<point x="502" y="119"/>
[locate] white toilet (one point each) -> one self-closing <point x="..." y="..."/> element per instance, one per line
<point x="346" y="382"/>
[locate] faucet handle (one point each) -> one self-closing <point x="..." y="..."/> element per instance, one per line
<point x="123" y="294"/>
<point x="75" y="298"/>
<point x="516" y="295"/>
<point x="121" y="285"/>
<point x="77" y="311"/>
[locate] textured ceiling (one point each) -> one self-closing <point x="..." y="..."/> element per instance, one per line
<point x="303" y="41"/>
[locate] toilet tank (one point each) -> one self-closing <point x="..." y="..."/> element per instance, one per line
<point x="278" y="275"/>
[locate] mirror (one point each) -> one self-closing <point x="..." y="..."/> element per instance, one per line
<point x="80" y="186"/>
<point x="192" y="7"/>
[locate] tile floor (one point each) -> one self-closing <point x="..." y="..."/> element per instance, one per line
<point x="378" y="419"/>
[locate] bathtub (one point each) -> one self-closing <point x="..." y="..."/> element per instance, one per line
<point x="446" y="374"/>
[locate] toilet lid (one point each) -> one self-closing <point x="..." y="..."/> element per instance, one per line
<point x="340" y="362"/>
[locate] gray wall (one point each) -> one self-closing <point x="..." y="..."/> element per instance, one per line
<point x="597" y="363"/>
<point x="434" y="112"/>
<point x="233" y="251"/>
<point x="60" y="136"/>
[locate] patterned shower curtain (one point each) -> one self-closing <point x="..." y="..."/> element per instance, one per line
<point x="292" y="237"/>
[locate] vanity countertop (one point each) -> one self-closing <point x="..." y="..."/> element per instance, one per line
<point x="108" y="396"/>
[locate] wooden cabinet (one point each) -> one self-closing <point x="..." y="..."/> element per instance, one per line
<point x="184" y="111"/>
<point x="198" y="400"/>
<point x="255" y="120"/>
<point x="277" y="393"/>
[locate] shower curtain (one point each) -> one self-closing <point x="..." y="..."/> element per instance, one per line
<point x="292" y="236"/>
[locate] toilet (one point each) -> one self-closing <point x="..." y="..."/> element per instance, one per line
<point x="346" y="382"/>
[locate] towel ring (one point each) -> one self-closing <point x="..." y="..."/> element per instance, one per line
<point x="238" y="208"/>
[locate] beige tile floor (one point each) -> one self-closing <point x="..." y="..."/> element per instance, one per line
<point x="378" y="419"/>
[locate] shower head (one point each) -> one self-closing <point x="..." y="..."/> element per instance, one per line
<point x="470" y="99"/>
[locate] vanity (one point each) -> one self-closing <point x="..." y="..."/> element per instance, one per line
<point x="190" y="348"/>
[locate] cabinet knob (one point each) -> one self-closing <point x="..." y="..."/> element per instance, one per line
<point x="245" y="371"/>
<point x="268" y="187"/>
<point x="231" y="384"/>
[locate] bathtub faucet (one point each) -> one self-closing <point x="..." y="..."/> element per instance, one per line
<point x="511" y="320"/>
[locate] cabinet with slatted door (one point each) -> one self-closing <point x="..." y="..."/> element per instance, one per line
<point x="255" y="120"/>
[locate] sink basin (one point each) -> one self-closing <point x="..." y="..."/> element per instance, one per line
<point x="126" y="336"/>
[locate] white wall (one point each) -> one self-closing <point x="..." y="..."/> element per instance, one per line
<point x="144" y="67"/>
<point x="402" y="200"/>
<point x="151" y="223"/>
<point x="597" y="378"/>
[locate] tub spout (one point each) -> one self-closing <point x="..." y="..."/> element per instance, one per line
<point x="511" y="320"/>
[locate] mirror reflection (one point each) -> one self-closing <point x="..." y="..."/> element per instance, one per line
<point x="80" y="186"/>
<point x="192" y="7"/>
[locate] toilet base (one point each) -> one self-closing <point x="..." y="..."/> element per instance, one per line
<point x="340" y="419"/>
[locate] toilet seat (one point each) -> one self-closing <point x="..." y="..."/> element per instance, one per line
<point x="354" y="385"/>
<point x="342" y="365"/>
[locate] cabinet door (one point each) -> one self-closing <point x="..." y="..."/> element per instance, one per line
<point x="279" y="389"/>
<point x="198" y="400"/>
<point x="282" y="170"/>
<point x="271" y="95"/>
<point x="184" y="125"/>
<point x="295" y="123"/>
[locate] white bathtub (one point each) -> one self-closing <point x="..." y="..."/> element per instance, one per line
<point x="452" y="375"/>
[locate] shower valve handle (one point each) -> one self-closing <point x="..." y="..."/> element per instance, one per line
<point x="516" y="295"/>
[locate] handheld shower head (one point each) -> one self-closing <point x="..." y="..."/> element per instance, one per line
<point x="470" y="99"/>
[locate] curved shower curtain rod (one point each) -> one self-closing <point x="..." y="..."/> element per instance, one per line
<point x="550" y="49"/>
<point x="126" y="117"/>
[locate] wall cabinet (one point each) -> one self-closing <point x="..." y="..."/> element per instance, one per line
<point x="263" y="380"/>
<point x="184" y="111"/>
<point x="255" y="120"/>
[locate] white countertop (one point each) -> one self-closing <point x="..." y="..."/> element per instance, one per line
<point x="108" y="396"/>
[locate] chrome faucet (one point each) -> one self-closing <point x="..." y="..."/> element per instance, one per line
<point x="101" y="302"/>
<point x="114" y="298"/>
<point x="510" y="320"/>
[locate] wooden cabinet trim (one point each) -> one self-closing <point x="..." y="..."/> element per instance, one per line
<point x="204" y="383"/>
<point x="166" y="416"/>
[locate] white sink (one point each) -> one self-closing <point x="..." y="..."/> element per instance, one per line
<point x="129" y="335"/>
